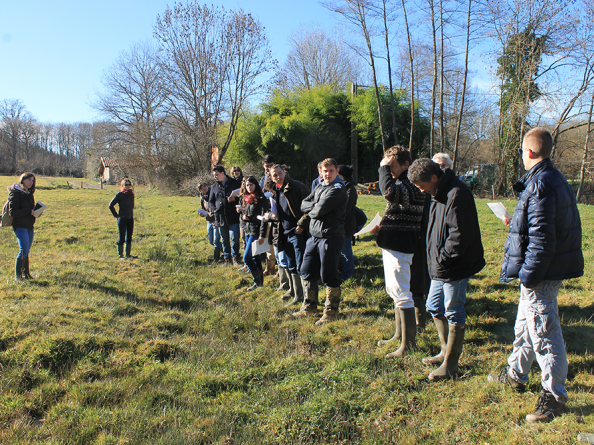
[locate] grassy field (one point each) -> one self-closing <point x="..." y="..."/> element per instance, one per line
<point x="169" y="349"/>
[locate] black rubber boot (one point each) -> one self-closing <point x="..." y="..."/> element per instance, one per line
<point x="409" y="332"/>
<point x="121" y="251"/>
<point x="217" y="254"/>
<point x="26" y="273"/>
<point x="18" y="269"/>
<point x="128" y="250"/>
<point x="256" y="278"/>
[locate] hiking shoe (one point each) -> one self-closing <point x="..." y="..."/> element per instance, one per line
<point x="547" y="408"/>
<point x="306" y="311"/>
<point x="504" y="378"/>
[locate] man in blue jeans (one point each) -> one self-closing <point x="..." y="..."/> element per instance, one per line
<point x="544" y="247"/>
<point x="226" y="219"/>
<point x="454" y="254"/>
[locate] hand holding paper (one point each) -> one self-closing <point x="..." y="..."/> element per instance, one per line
<point x="500" y="211"/>
<point x="369" y="227"/>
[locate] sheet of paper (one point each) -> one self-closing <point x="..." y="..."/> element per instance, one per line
<point x="235" y="193"/>
<point x="499" y="210"/>
<point x="374" y="222"/>
<point x="202" y="212"/>
<point x="257" y="249"/>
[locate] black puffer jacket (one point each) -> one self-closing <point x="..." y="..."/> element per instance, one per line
<point x="253" y="226"/>
<point x="20" y="204"/>
<point x="225" y="213"/>
<point x="350" y="222"/>
<point x="455" y="250"/>
<point x="326" y="207"/>
<point x="545" y="233"/>
<point x="126" y="205"/>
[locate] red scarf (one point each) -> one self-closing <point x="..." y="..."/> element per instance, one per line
<point x="248" y="199"/>
<point x="128" y="192"/>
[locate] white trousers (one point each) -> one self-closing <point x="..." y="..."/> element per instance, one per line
<point x="538" y="336"/>
<point x="397" y="275"/>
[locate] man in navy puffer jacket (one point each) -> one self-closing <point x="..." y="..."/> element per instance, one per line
<point x="544" y="246"/>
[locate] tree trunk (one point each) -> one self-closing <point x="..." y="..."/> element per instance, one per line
<point x="585" y="155"/>
<point x="392" y="104"/>
<point x="459" y="126"/>
<point x="412" y="80"/>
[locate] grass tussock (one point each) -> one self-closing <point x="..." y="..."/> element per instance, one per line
<point x="169" y="348"/>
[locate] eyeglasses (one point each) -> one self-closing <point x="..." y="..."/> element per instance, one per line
<point x="127" y="183"/>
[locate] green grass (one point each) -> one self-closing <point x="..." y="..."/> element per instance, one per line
<point x="169" y="349"/>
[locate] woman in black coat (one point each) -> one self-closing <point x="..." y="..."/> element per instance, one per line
<point x="21" y="205"/>
<point x="253" y="205"/>
<point x="125" y="200"/>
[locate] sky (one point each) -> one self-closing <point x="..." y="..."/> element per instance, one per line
<point x="53" y="53"/>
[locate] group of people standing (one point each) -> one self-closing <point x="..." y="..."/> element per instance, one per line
<point x="431" y="245"/>
<point x="305" y="228"/>
<point x="430" y="240"/>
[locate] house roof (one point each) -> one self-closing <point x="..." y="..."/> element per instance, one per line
<point x="107" y="162"/>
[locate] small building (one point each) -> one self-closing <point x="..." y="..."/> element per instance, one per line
<point x="109" y="171"/>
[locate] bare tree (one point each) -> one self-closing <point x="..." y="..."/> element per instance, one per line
<point x="133" y="99"/>
<point x="15" y="119"/>
<point x="356" y="13"/>
<point x="316" y="59"/>
<point x="212" y="60"/>
<point x="461" y="114"/>
<point x="412" y="76"/>
<point x="585" y="151"/>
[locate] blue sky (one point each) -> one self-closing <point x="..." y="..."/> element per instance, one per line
<point x="52" y="53"/>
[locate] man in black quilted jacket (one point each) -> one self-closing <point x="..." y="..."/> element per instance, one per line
<point x="326" y="207"/>
<point x="544" y="247"/>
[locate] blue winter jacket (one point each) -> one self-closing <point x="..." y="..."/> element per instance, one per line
<point x="545" y="234"/>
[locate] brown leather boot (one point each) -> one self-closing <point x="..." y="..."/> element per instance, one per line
<point x="310" y="300"/>
<point x="331" y="306"/>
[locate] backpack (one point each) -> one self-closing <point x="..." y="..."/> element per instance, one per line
<point x="360" y="217"/>
<point x="6" y="218"/>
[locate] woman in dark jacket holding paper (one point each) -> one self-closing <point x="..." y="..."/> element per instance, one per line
<point x="125" y="199"/>
<point x="253" y="205"/>
<point x="21" y="205"/>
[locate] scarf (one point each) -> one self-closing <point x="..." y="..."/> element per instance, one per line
<point x="129" y="192"/>
<point x="248" y="199"/>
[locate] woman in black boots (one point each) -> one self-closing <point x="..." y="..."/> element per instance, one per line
<point x="21" y="205"/>
<point x="253" y="204"/>
<point x="125" y="199"/>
